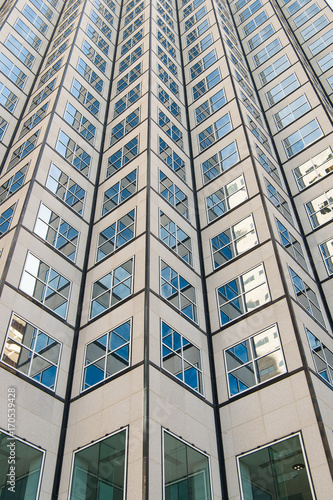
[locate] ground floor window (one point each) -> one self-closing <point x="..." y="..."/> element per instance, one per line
<point x="186" y="471"/>
<point x="99" y="469"/>
<point x="20" y="468"/>
<point x="276" y="472"/>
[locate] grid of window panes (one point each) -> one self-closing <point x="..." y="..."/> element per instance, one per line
<point x="323" y="358"/>
<point x="65" y="188"/>
<point x="107" y="355"/>
<point x="326" y="249"/>
<point x="243" y="294"/>
<point x="112" y="288"/>
<point x="320" y="210"/>
<point x="181" y="358"/>
<point x="226" y="198"/>
<point x="314" y="169"/>
<point x="254" y="360"/>
<point x="306" y="297"/>
<point x="116" y="235"/>
<point x="32" y="352"/>
<point x="235" y="240"/>
<point x="291" y="244"/>
<point x="176" y="239"/>
<point x="178" y="291"/>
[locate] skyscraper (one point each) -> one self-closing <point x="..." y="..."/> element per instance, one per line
<point x="166" y="249"/>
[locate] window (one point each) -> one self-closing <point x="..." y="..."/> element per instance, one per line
<point x="46" y="285"/>
<point x="313" y="28"/>
<point x="296" y="6"/>
<point x="254" y="361"/>
<point x="66" y="189"/>
<point x="12" y="72"/>
<point x="278" y="201"/>
<point x="326" y="62"/>
<point x="203" y="64"/>
<point x="42" y="95"/>
<point x="169" y="82"/>
<point x="57" y="232"/>
<point x="215" y="132"/>
<point x="13" y="184"/>
<point x="210" y="106"/>
<point x="98" y="39"/>
<point x="107" y="355"/>
<point x="226" y="198"/>
<point x="171" y="159"/>
<point x="123" y="156"/>
<point x="27" y="476"/>
<point x="6" y="219"/>
<point x="234" y="241"/>
<point x="131" y="42"/>
<point x="323" y="358"/>
<point x="125" y="126"/>
<point x="130" y="59"/>
<point x="105" y="29"/>
<point x="85" y="97"/>
<point x="49" y="73"/>
<point x="129" y="78"/>
<point x="199" y="30"/>
<point x="170" y="129"/>
<point x="306" y="15"/>
<point x="320" y="210"/>
<point x="285" y="456"/>
<point x="283" y="89"/>
<point x="181" y="358"/>
<point x="23" y="150"/>
<point x="219" y="162"/>
<point x="327" y="254"/>
<point x="73" y="153"/>
<point x="169" y="103"/>
<point x="250" y="10"/>
<point x="167" y="61"/>
<point x="306" y="297"/>
<point x="7" y="98"/>
<point x="80" y="123"/>
<point x="274" y="69"/>
<point x="94" y="56"/>
<point x="3" y="126"/>
<point x="101" y="467"/>
<point x="89" y="75"/>
<point x="195" y="18"/>
<point x="119" y="192"/>
<point x="175" y="238"/>
<point x="290" y="113"/>
<point x="33" y="120"/>
<point x="178" y="291"/>
<point x="186" y="470"/>
<point x="116" y="235"/>
<point x="132" y="27"/>
<point x="32" y="352"/>
<point x="174" y="195"/>
<point x="27" y="34"/>
<point x="322" y="42"/>
<point x="260" y="37"/>
<point x="165" y="29"/>
<point x="134" y="13"/>
<point x="291" y="245"/>
<point x="191" y="7"/>
<point x="255" y="23"/>
<point x="43" y="8"/>
<point x="130" y="98"/>
<point x="243" y="294"/>
<point x="302" y="138"/>
<point x="20" y="51"/>
<point x="112" y="288"/>
<point x="207" y="83"/>
<point x="167" y="45"/>
<point x="34" y="19"/>
<point x="200" y="47"/>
